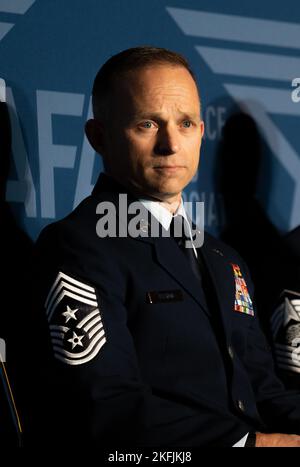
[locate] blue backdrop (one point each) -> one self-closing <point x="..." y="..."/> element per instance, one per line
<point x="244" y="56"/>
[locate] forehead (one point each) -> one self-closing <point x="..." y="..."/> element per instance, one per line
<point x="155" y="85"/>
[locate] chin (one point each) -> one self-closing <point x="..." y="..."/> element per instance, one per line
<point x="172" y="186"/>
<point x="163" y="187"/>
<point x="166" y="191"/>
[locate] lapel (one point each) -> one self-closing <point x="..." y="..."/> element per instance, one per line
<point x="170" y="257"/>
<point x="173" y="260"/>
<point x="222" y="278"/>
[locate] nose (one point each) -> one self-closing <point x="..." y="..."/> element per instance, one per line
<point x="168" y="141"/>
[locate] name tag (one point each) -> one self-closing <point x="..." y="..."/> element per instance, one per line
<point x="164" y="296"/>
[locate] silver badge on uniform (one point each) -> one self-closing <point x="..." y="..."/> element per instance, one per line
<point x="285" y="326"/>
<point x="75" y="321"/>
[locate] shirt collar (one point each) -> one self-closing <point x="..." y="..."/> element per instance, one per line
<point x="162" y="214"/>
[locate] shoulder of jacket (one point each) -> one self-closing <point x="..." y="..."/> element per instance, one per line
<point x="78" y="224"/>
<point x="226" y="250"/>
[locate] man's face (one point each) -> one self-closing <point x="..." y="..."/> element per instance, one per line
<point x="152" y="141"/>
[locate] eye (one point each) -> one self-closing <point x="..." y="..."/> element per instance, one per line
<point x="187" y="123"/>
<point x="147" y="124"/>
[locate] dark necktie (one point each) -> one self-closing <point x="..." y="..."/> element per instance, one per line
<point x="179" y="230"/>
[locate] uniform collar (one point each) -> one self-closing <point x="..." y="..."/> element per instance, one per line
<point x="164" y="216"/>
<point x="161" y="213"/>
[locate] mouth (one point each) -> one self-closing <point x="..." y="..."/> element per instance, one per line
<point x="168" y="168"/>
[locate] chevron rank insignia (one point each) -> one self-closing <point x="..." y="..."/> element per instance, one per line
<point x="75" y="321"/>
<point x="285" y="327"/>
<point x="242" y="302"/>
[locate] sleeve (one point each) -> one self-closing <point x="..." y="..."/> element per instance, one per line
<point x="93" y="389"/>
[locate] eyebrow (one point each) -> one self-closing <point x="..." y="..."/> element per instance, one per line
<point x="158" y="116"/>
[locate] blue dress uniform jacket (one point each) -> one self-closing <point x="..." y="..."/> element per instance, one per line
<point x="138" y="351"/>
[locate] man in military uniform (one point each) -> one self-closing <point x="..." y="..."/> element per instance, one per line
<point x="152" y="339"/>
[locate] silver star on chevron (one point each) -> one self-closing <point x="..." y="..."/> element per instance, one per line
<point x="70" y="314"/>
<point x="76" y="340"/>
<point x="290" y="312"/>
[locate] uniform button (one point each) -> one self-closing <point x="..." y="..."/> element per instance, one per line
<point x="230" y="352"/>
<point x="241" y="405"/>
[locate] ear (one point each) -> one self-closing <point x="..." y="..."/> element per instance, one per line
<point x="94" y="133"/>
<point x="202" y="128"/>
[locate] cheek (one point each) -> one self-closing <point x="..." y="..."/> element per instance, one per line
<point x="193" y="150"/>
<point x="196" y="141"/>
<point x="140" y="150"/>
<point x="117" y="145"/>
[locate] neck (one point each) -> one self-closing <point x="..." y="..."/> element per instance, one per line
<point x="171" y="204"/>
